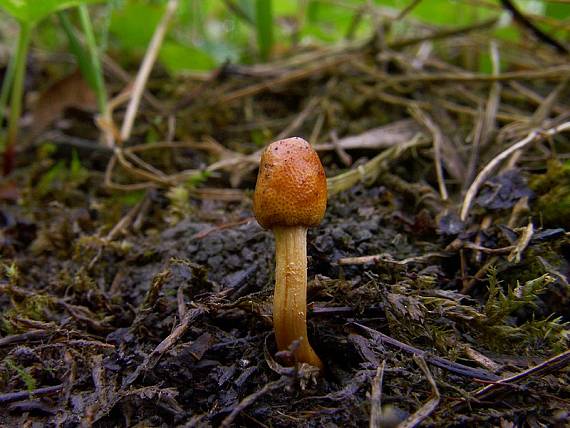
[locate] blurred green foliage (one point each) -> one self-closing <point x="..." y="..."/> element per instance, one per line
<point x="33" y="11"/>
<point x="206" y="33"/>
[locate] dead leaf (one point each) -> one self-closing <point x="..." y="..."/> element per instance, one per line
<point x="70" y="92"/>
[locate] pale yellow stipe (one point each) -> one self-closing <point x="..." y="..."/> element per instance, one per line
<point x="290" y="299"/>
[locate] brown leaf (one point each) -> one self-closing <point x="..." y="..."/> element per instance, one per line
<point x="70" y="92"/>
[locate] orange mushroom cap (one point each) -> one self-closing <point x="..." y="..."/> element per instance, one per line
<point x="291" y="187"/>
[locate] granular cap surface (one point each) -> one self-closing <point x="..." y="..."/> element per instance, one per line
<point x="291" y="187"/>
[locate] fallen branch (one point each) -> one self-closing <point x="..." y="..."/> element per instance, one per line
<point x="456" y="368"/>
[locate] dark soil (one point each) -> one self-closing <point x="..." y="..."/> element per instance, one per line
<point x="96" y="330"/>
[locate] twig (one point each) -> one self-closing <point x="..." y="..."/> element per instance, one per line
<point x="378" y="91"/>
<point x="27" y="337"/>
<point x="387" y="258"/>
<point x="443" y="34"/>
<point x="478" y="357"/>
<point x="554" y="364"/>
<point x="406" y="10"/>
<point x="120" y="227"/>
<point x="521" y="244"/>
<point x="526" y="23"/>
<point x="150" y="298"/>
<point x="375" y="311"/>
<point x="437" y="137"/>
<point x="534" y="135"/>
<point x="479" y="275"/>
<point x="372" y="168"/>
<point x="299" y="119"/>
<point x="377" y="138"/>
<point x="486" y="250"/>
<point x="486" y="122"/>
<point x="250" y="399"/>
<point x="376" y="398"/>
<point x="152" y="359"/>
<point x="555" y="72"/>
<point x="290" y="77"/>
<point x="146" y="67"/>
<point x="427" y="409"/>
<point x="26" y="395"/>
<point x="344" y="157"/>
<point x="457" y="368"/>
<point x="181" y="303"/>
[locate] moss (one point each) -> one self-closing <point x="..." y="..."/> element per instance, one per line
<point x="553" y="189"/>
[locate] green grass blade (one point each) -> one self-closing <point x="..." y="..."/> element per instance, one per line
<point x="264" y="27"/>
<point x="94" y="57"/>
<point x="75" y="46"/>
<point x="30" y="12"/>
<point x="6" y="88"/>
<point x="16" y="98"/>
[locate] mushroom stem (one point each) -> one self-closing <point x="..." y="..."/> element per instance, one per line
<point x="290" y="300"/>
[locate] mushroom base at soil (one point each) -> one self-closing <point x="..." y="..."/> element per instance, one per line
<point x="290" y="299"/>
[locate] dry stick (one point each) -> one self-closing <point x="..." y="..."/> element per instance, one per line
<point x="521" y="244"/>
<point x="555" y="72"/>
<point x="115" y="70"/>
<point x="533" y="136"/>
<point x="448" y="105"/>
<point x="481" y="359"/>
<point x="291" y="76"/>
<point x="405" y="11"/>
<point x="479" y="275"/>
<point x="105" y="121"/>
<point x="27" y="337"/>
<point x="146" y="67"/>
<point x="387" y="258"/>
<point x="526" y="23"/>
<point x="437" y="137"/>
<point x="486" y="250"/>
<point x="26" y="395"/>
<point x="370" y="169"/>
<point x="181" y="303"/>
<point x="376" y="138"/>
<point x="541" y="114"/>
<point x="442" y="34"/>
<point x="494" y="6"/>
<point x="317" y="128"/>
<point x="152" y="359"/>
<point x="145" y="308"/>
<point x="554" y="364"/>
<point x="534" y="97"/>
<point x="250" y="399"/>
<point x="545" y="108"/>
<point x="124" y="223"/>
<point x="457" y="368"/>
<point x="427" y="409"/>
<point x="299" y="120"/>
<point x="385" y="136"/>
<point x="376" y="397"/>
<point x="344" y="157"/>
<point x="487" y="121"/>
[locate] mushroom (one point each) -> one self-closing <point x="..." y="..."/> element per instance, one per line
<point x="291" y="196"/>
